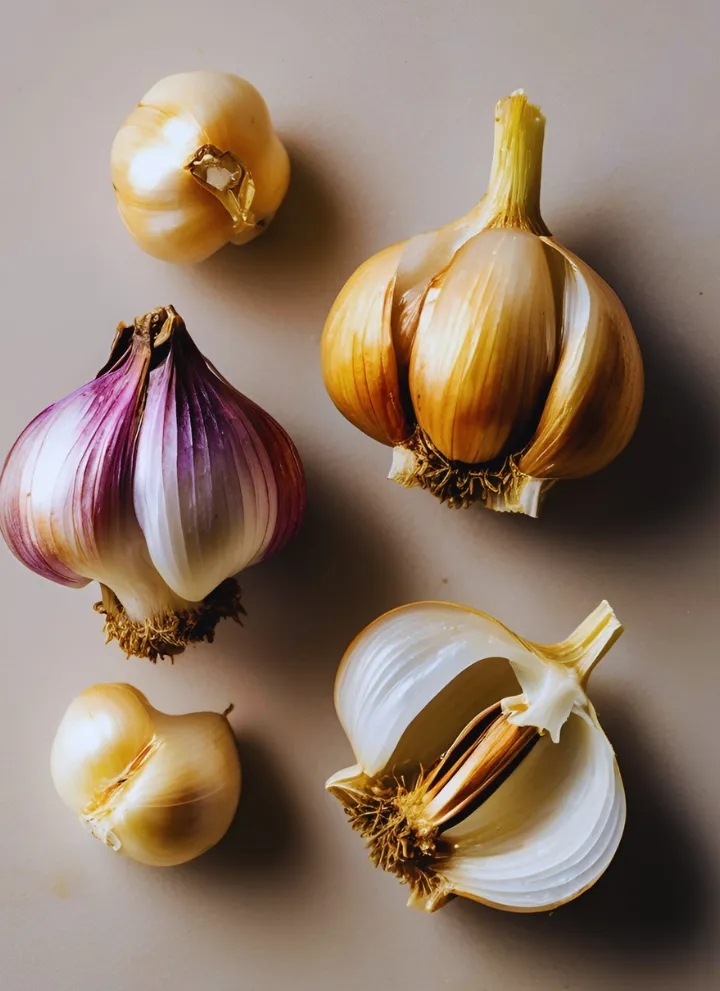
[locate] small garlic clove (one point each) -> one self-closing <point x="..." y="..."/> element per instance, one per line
<point x="184" y="799"/>
<point x="159" y="789"/>
<point x="595" y="400"/>
<point x="489" y="320"/>
<point x="170" y="208"/>
<point x="359" y="363"/>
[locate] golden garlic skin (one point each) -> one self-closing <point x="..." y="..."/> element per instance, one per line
<point x="491" y="358"/>
<point x="160" y="789"/>
<point x="196" y="165"/>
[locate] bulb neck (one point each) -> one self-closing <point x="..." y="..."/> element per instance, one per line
<point x="513" y="194"/>
<point x="230" y="181"/>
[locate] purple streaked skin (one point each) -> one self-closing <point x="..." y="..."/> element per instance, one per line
<point x="83" y="445"/>
<point x="227" y="486"/>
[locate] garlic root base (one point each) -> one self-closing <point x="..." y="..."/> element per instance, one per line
<point x="169" y="634"/>
<point x="504" y="489"/>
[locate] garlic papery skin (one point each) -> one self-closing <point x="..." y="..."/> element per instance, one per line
<point x="493" y="360"/>
<point x="196" y="165"/>
<point x="158" y="480"/>
<point x="481" y="767"/>
<point x="159" y="789"/>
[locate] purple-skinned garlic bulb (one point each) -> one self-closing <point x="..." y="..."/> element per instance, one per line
<point x="158" y="480"/>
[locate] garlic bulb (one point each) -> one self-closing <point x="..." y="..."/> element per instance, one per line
<point x="490" y="357"/>
<point x="198" y="164"/>
<point x="160" y="789"/>
<point x="158" y="480"/>
<point x="482" y="770"/>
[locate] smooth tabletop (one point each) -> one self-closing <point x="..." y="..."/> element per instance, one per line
<point x="387" y="111"/>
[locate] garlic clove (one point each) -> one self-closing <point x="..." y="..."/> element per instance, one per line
<point x="359" y="364"/>
<point x="185" y="797"/>
<point x="549" y="832"/>
<point x="234" y="117"/>
<point x="159" y="789"/>
<point x="402" y="662"/>
<point x="229" y="488"/>
<point x="489" y="318"/>
<point x="163" y="207"/>
<point x="60" y="488"/>
<point x="595" y="400"/>
<point x="175" y="208"/>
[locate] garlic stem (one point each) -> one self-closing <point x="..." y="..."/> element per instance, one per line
<point x="513" y="194"/>
<point x="589" y="643"/>
<point x="225" y="176"/>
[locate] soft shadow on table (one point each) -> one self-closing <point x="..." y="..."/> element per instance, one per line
<point x="341" y="572"/>
<point x="300" y="245"/>
<point x="671" y="468"/>
<point x="266" y="838"/>
<point x="658" y="899"/>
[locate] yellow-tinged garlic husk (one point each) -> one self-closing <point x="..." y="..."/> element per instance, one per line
<point x="160" y="789"/>
<point x="491" y="358"/>
<point x="482" y="770"/>
<point x="196" y="165"/>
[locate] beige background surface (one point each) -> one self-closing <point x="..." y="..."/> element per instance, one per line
<point x="387" y="111"/>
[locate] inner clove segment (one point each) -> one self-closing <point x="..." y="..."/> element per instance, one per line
<point x="481" y="767"/>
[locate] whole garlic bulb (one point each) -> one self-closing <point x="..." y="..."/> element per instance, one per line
<point x="482" y="769"/>
<point x="196" y="165"/>
<point x="158" y="480"/>
<point x="490" y="357"/>
<point x="160" y="789"/>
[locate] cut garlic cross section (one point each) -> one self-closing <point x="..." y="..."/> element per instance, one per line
<point x="482" y="769"/>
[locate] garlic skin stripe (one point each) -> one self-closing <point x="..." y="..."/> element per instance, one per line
<point x="158" y="480"/>
<point x="481" y="767"/>
<point x="156" y="788"/>
<point x="197" y="165"/>
<point x="493" y="360"/>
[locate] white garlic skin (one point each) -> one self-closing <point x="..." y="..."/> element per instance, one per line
<point x="167" y="212"/>
<point x="160" y="789"/>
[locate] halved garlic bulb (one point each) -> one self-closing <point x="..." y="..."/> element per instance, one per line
<point x="491" y="358"/>
<point x="158" y="480"/>
<point x="160" y="789"/>
<point x="482" y="769"/>
<point x="197" y="164"/>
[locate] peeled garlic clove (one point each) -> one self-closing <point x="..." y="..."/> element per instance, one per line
<point x="513" y="363"/>
<point x="160" y="789"/>
<point x="197" y="164"/>
<point x="158" y="480"/>
<point x="481" y="768"/>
